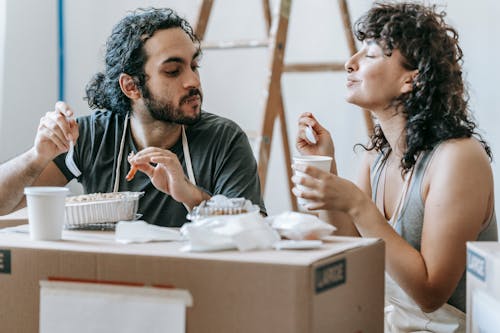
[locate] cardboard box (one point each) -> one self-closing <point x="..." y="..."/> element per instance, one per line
<point x="17" y="218"/>
<point x="337" y="288"/>
<point x="483" y="287"/>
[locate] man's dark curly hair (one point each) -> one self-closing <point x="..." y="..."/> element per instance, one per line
<point x="125" y="54"/>
<point x="436" y="108"/>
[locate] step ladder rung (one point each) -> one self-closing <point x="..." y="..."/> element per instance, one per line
<point x="314" y="67"/>
<point x="236" y="44"/>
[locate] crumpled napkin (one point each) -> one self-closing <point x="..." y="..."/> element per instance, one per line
<point x="299" y="226"/>
<point x="141" y="232"/>
<point x="242" y="231"/>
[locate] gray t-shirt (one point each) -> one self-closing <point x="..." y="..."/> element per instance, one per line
<point x="221" y="155"/>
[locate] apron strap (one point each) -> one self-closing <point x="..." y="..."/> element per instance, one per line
<point x="120" y="155"/>
<point x="187" y="157"/>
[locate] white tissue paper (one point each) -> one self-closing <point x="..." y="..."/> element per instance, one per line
<point x="142" y="232"/>
<point x="299" y="226"/>
<point x="245" y="232"/>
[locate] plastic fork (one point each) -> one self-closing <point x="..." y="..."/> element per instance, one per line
<point x="70" y="163"/>
<point x="310" y="134"/>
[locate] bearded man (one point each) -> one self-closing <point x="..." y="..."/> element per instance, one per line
<point x="148" y="118"/>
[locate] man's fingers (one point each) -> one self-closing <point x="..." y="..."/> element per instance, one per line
<point x="64" y="109"/>
<point x="54" y="137"/>
<point x="65" y="119"/>
<point x="154" y="156"/>
<point x="58" y="123"/>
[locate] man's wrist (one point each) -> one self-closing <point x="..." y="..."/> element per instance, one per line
<point x="196" y="196"/>
<point x="34" y="162"/>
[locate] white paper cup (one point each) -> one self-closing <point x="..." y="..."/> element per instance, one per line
<point x="46" y="206"/>
<point x="321" y="162"/>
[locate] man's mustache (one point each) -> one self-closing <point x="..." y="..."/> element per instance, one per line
<point x="193" y="92"/>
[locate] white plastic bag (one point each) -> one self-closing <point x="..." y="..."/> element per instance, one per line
<point x="243" y="231"/>
<point x="142" y="232"/>
<point x="298" y="226"/>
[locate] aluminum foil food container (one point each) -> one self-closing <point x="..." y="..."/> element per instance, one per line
<point x="96" y="210"/>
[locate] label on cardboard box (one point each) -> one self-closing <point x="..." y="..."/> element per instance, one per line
<point x="476" y="265"/>
<point x="78" y="307"/>
<point x="5" y="261"/>
<point x="330" y="275"/>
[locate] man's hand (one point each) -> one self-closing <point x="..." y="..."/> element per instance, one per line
<point x="55" y="131"/>
<point x="166" y="174"/>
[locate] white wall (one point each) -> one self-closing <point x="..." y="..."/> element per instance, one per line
<point x="29" y="76"/>
<point x="233" y="80"/>
<point x="3" y="24"/>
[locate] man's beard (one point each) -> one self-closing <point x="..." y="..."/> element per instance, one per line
<point x="166" y="111"/>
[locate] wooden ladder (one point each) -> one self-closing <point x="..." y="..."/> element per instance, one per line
<point x="277" y="27"/>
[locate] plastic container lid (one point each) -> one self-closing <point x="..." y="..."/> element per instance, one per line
<point x="220" y="205"/>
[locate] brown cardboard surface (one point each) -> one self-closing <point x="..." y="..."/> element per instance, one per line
<point x="258" y="291"/>
<point x="14" y="219"/>
<point x="358" y="298"/>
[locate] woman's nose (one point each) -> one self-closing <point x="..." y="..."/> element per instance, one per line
<point x="351" y="64"/>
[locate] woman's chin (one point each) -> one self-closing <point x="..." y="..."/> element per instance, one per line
<point x="352" y="100"/>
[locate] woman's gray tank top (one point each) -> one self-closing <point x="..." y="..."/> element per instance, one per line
<point x="411" y="218"/>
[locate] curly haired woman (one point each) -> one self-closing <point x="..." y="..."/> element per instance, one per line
<point x="425" y="184"/>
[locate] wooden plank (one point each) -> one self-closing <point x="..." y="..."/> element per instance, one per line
<point x="277" y="37"/>
<point x="235" y="44"/>
<point x="286" y="149"/>
<point x="267" y="14"/>
<point x="346" y="20"/>
<point x="202" y="18"/>
<point x="314" y="67"/>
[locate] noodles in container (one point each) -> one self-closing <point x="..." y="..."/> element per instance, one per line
<point x="101" y="210"/>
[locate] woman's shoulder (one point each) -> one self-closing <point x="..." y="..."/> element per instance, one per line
<point x="460" y="160"/>
<point x="461" y="150"/>
<point x="460" y="169"/>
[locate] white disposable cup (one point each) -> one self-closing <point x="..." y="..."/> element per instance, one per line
<point x="321" y="162"/>
<point x="46" y="208"/>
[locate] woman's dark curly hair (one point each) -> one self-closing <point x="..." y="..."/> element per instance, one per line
<point x="436" y="108"/>
<point x="125" y="54"/>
